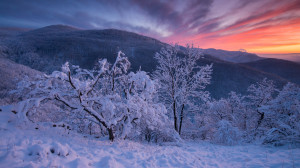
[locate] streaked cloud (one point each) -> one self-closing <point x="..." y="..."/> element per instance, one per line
<point x="262" y="26"/>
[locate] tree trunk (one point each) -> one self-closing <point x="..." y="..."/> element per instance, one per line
<point x="113" y="82"/>
<point x="110" y="134"/>
<point x="262" y="116"/>
<point x="181" y="118"/>
<point x="175" y="117"/>
<point x="109" y="130"/>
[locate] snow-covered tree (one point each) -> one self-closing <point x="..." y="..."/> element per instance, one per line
<point x="220" y="110"/>
<point x="232" y="110"/>
<point x="216" y="111"/>
<point x="283" y="116"/>
<point x="182" y="80"/>
<point x="118" y="102"/>
<point x="238" y="111"/>
<point x="261" y="94"/>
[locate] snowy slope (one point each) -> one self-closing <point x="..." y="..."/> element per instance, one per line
<point x="10" y="74"/>
<point x="22" y="145"/>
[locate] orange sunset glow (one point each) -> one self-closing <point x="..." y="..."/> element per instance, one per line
<point x="279" y="39"/>
<point x="269" y="31"/>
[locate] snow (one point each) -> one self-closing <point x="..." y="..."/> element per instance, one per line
<point x="22" y="145"/>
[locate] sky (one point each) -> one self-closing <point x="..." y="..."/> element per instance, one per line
<point x="258" y="26"/>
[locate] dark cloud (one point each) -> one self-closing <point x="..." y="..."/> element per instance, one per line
<point x="87" y="14"/>
<point x="196" y="11"/>
<point x="163" y="12"/>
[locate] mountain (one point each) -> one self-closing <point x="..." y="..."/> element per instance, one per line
<point x="283" y="68"/>
<point x="46" y="49"/>
<point x="232" y="56"/>
<point x="52" y="29"/>
<point x="228" y="76"/>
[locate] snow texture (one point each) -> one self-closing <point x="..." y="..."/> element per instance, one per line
<point x="23" y="145"/>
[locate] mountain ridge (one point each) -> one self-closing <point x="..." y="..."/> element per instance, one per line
<point x="232" y="56"/>
<point x="46" y="50"/>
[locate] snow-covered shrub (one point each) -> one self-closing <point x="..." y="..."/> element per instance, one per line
<point x="215" y="111"/>
<point x="226" y="134"/>
<point x="193" y="129"/>
<point x="167" y="134"/>
<point x="276" y="137"/>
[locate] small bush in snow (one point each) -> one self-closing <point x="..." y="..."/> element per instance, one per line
<point x="226" y="134"/>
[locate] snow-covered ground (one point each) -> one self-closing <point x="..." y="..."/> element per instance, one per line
<point x="21" y="145"/>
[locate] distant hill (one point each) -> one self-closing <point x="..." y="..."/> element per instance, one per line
<point x="46" y="49"/>
<point x="232" y="56"/>
<point x="295" y="57"/>
<point x="229" y="76"/>
<point x="285" y="69"/>
<point x="52" y="29"/>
